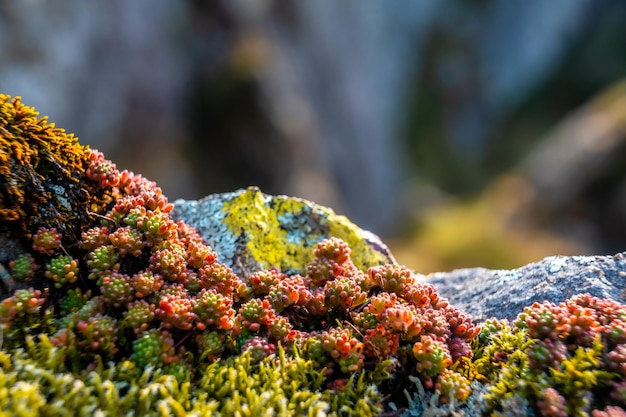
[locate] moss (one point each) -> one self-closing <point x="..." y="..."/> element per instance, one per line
<point x="281" y="232"/>
<point x="33" y="382"/>
<point x="140" y="318"/>
<point x="561" y="360"/>
<point x="41" y="167"/>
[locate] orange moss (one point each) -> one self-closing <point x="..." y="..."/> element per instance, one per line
<point x="41" y="172"/>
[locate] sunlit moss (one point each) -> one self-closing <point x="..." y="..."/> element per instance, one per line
<point x="33" y="381"/>
<point x="532" y="363"/>
<point x="41" y="167"/>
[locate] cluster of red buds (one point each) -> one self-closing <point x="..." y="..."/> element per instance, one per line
<point x="140" y="286"/>
<point x="46" y="241"/>
<point x="564" y="359"/>
<point x="102" y="170"/>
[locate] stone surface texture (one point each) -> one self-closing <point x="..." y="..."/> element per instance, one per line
<point x="488" y="293"/>
<point x="250" y="231"/>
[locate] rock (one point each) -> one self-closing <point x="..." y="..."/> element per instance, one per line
<point x="251" y="231"/>
<point x="487" y="293"/>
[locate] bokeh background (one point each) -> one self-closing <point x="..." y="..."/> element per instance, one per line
<point x="465" y="133"/>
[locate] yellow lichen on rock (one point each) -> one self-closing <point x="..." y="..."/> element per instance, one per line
<point x="363" y="254"/>
<point x="281" y="231"/>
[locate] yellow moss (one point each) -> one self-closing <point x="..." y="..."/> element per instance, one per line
<point x="282" y="231"/>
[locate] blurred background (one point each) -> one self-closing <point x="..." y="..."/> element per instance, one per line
<point x="465" y="133"/>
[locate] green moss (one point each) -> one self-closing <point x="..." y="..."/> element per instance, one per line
<point x="578" y="382"/>
<point x="493" y="348"/>
<point x="34" y="382"/>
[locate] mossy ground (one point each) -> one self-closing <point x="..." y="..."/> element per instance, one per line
<point x="130" y="313"/>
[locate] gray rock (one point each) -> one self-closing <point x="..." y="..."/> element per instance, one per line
<point x="237" y="226"/>
<point x="487" y="293"/>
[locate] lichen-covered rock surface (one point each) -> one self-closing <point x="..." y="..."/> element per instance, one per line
<point x="251" y="231"/>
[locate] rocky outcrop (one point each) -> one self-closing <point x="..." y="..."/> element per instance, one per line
<point x="250" y="230"/>
<point x="488" y="293"/>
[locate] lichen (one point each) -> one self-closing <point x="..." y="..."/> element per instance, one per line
<point x="278" y="232"/>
